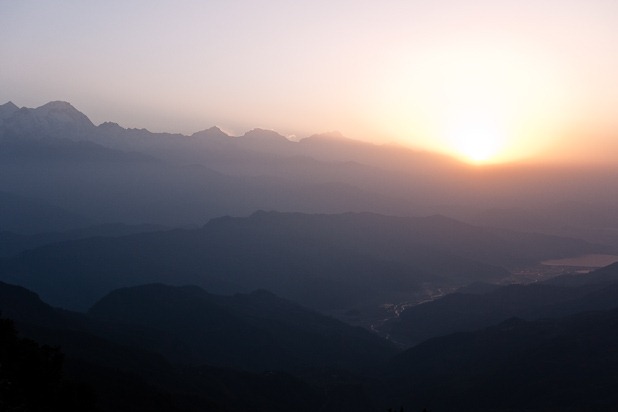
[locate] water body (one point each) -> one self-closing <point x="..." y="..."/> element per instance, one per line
<point x="585" y="261"/>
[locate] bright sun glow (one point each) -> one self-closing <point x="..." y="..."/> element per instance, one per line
<point x="482" y="104"/>
<point x="477" y="140"/>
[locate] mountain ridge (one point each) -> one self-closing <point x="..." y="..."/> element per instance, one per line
<point x="126" y="376"/>
<point x="320" y="260"/>
<point x="256" y="331"/>
<point x="463" y="312"/>
<point x="564" y="363"/>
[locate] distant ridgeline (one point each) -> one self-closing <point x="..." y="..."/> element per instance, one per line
<point x="106" y="173"/>
<point x="328" y="262"/>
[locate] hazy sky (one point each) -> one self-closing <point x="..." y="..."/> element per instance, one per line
<point x="484" y="79"/>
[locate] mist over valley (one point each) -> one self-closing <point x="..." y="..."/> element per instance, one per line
<point x="255" y="272"/>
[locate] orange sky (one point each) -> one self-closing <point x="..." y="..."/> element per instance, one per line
<point x="483" y="80"/>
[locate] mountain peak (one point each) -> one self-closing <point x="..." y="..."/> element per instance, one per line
<point x="7" y="110"/>
<point x="109" y="126"/>
<point x="53" y="119"/>
<point x="264" y="134"/>
<point x="62" y="112"/>
<point x="334" y="135"/>
<point x="8" y="106"/>
<point x="212" y="133"/>
<point x="57" y="105"/>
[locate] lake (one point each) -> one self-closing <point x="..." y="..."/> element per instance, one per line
<point x="587" y="261"/>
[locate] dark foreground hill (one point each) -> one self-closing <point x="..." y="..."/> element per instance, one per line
<point x="32" y="379"/>
<point x="187" y="325"/>
<point x="463" y="311"/>
<point x="167" y="362"/>
<point x="565" y="364"/>
<point x="561" y="364"/>
<point x="322" y="261"/>
<point x="256" y="331"/>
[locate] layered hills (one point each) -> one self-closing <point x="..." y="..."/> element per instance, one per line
<point x="197" y="272"/>
<point x="256" y="331"/>
<point x="111" y="174"/>
<point x="466" y="311"/>
<point x="207" y="365"/>
<point x="126" y="350"/>
<point x="326" y="262"/>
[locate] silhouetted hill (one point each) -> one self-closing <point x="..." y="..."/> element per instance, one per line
<point x="256" y="331"/>
<point x="128" y="377"/>
<point x="122" y="377"/>
<point x="32" y="377"/>
<point x="22" y="305"/>
<point x="566" y="364"/>
<point x="469" y="311"/>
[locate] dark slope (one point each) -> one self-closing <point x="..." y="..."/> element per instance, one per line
<point x="130" y="377"/>
<point x="80" y="336"/>
<point x="123" y="378"/>
<point x="566" y="364"/>
<point x="32" y="377"/>
<point x="256" y="331"/>
<point x="468" y="311"/>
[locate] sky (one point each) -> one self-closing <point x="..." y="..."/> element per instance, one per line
<point x="485" y="80"/>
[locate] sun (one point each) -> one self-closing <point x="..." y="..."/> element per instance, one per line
<point x="482" y="102"/>
<point x="477" y="140"/>
<point x="476" y="145"/>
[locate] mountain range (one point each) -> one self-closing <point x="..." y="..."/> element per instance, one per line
<point x="169" y="272"/>
<point x="108" y="174"/>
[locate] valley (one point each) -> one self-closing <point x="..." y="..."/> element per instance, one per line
<point x="294" y="206"/>
<point x="218" y="272"/>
